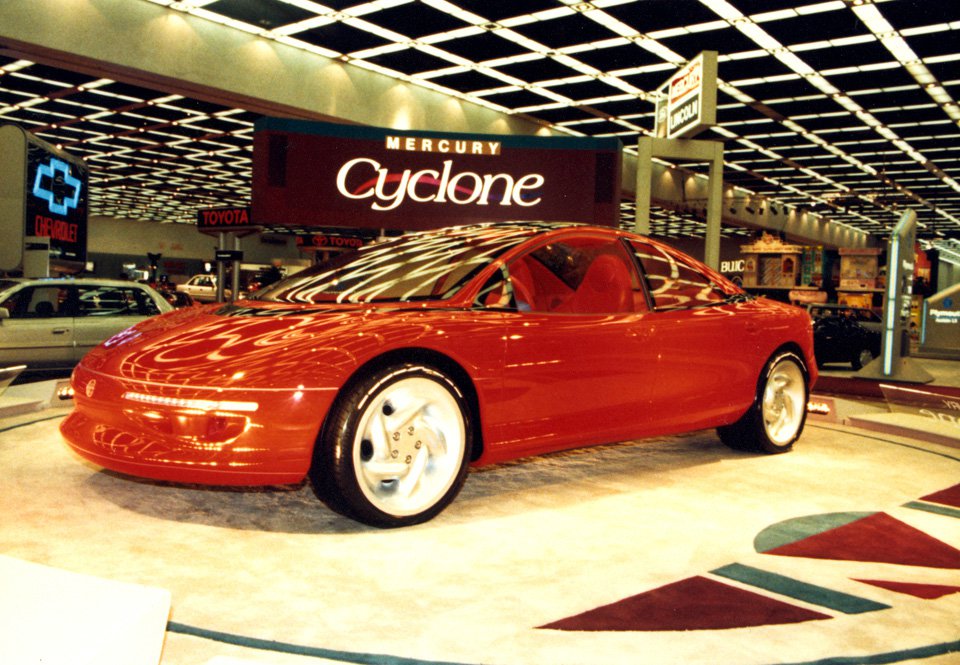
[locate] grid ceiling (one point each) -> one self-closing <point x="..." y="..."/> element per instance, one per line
<point x="846" y="107"/>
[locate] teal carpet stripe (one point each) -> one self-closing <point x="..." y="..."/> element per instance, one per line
<point x="379" y="659"/>
<point x="891" y="657"/>
<point x="933" y="508"/>
<point x="297" y="649"/>
<point x="809" y="593"/>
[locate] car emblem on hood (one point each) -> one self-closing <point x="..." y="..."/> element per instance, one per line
<point x="91" y="386"/>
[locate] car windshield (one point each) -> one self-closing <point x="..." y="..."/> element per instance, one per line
<point x="422" y="266"/>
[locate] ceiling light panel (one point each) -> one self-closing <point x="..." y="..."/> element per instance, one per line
<point x="816" y="97"/>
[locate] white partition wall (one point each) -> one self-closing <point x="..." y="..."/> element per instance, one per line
<point x="54" y="617"/>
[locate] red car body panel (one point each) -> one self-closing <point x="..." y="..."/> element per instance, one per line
<point x="269" y="372"/>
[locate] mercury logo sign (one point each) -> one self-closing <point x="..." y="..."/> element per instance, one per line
<point x="458" y="146"/>
<point x="686" y="81"/>
<point x="388" y="191"/>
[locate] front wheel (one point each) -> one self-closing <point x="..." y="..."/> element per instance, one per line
<point x="396" y="447"/>
<point x="776" y="418"/>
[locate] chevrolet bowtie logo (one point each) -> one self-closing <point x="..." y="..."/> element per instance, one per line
<point x="61" y="193"/>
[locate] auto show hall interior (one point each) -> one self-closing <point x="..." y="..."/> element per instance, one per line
<point x="835" y="118"/>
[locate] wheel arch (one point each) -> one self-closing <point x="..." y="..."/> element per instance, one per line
<point x="786" y="347"/>
<point x="432" y="358"/>
<point x="796" y="349"/>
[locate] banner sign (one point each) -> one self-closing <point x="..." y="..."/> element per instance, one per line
<point x="323" y="174"/>
<point x="56" y="200"/>
<point x="940" y="324"/>
<point x="687" y="103"/>
<point x="223" y="219"/>
<point x="228" y="255"/>
<point x="43" y="193"/>
<point x="322" y="241"/>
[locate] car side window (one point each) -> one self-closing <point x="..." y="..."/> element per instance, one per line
<point x="576" y="276"/>
<point x="39" y="302"/>
<point x="115" y="301"/>
<point x="672" y="282"/>
<point x="497" y="292"/>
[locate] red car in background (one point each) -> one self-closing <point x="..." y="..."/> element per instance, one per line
<point x="384" y="373"/>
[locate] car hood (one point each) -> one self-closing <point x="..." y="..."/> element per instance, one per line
<point x="253" y="345"/>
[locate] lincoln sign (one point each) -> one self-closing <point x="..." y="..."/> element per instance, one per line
<point x="323" y="174"/>
<point x="687" y="102"/>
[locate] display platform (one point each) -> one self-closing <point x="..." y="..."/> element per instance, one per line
<point x="674" y="550"/>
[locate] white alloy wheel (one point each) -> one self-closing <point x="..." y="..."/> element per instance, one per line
<point x="784" y="401"/>
<point x="409" y="445"/>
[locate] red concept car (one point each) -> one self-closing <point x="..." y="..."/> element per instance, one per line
<point x="385" y="372"/>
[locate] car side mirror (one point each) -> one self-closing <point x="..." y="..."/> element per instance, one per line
<point x="4" y="314"/>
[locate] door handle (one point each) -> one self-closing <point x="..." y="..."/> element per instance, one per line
<point x="60" y="331"/>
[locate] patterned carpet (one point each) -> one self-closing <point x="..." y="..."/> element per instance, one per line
<point x="675" y="550"/>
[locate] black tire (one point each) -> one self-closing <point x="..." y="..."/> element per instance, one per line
<point x="779" y="410"/>
<point x="395" y="448"/>
<point x="862" y="358"/>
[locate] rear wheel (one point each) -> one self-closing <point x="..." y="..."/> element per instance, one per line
<point x="396" y="447"/>
<point x="776" y="418"/>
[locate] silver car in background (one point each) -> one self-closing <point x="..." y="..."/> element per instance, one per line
<point x="203" y="288"/>
<point x="50" y="323"/>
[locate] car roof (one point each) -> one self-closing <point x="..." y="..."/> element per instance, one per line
<point x="75" y="280"/>
<point x="16" y="282"/>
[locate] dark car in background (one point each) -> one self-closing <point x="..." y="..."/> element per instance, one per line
<point x="843" y="334"/>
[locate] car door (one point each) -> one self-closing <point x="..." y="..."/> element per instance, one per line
<point x="577" y="362"/>
<point x="103" y="310"/>
<point x="39" y="331"/>
<point x="706" y="342"/>
<point x="200" y="287"/>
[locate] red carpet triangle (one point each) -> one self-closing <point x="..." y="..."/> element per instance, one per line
<point x="877" y="538"/>
<point x="947" y="497"/>
<point x="696" y="603"/>
<point x="925" y="591"/>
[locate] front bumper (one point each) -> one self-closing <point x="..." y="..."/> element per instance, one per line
<point x="195" y="435"/>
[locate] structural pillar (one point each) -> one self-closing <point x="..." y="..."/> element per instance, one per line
<point x="684" y="150"/>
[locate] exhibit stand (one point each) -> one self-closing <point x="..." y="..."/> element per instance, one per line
<point x="860" y="277"/>
<point x="940" y="325"/>
<point x="783" y="271"/>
